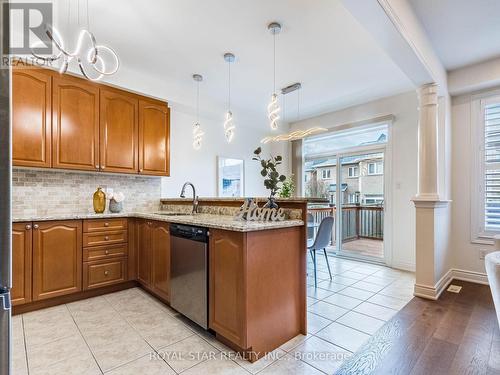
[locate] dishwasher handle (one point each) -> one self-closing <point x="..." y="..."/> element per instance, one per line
<point x="189" y="232"/>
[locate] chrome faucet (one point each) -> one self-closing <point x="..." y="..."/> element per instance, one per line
<point x="195" y="197"/>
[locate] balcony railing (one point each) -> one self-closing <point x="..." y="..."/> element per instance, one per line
<point x="358" y="221"/>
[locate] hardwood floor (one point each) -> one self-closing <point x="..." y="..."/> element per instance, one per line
<point x="458" y="334"/>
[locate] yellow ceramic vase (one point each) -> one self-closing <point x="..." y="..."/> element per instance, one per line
<point x="99" y="201"/>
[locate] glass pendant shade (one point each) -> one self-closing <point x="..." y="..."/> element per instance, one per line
<point x="229" y="126"/>
<point x="273" y="110"/>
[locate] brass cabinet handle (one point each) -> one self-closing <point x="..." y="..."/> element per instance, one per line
<point x="140" y="170"/>
<point x="106" y="238"/>
<point x="102" y="167"/>
<point x="106" y="252"/>
<point x="96" y="167"/>
<point x="106" y="224"/>
<point x="35" y="226"/>
<point x="28" y="227"/>
<point x="106" y="273"/>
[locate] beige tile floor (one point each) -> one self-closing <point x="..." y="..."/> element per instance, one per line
<point x="130" y="332"/>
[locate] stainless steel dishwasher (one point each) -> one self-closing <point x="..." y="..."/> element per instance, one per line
<point x="189" y="272"/>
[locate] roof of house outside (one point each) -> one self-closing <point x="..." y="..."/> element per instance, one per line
<point x="346" y="160"/>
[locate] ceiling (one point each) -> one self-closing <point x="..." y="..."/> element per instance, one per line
<point x="162" y="43"/>
<point x="463" y="32"/>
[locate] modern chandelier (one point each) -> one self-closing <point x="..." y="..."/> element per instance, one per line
<point x="228" y="121"/>
<point x="94" y="60"/>
<point x="197" y="131"/>
<point x="273" y="107"/>
<point x="296" y="134"/>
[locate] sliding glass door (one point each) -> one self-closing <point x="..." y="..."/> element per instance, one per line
<point x="349" y="169"/>
<point x="360" y="205"/>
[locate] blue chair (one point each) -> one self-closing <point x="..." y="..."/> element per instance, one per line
<point x="321" y="242"/>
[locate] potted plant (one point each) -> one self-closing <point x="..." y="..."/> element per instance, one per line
<point x="287" y="188"/>
<point x="272" y="177"/>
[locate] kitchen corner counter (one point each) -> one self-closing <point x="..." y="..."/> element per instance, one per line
<point x="225" y="222"/>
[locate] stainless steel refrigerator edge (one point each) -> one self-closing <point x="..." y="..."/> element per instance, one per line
<point x="5" y="202"/>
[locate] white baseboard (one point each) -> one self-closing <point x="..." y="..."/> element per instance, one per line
<point x="471" y="276"/>
<point x="404" y="266"/>
<point x="433" y="292"/>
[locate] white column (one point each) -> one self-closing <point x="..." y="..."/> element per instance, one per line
<point x="428" y="143"/>
<point x="432" y="213"/>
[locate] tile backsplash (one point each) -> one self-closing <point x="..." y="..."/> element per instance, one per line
<point x="40" y="192"/>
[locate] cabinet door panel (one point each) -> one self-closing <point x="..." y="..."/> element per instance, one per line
<point x="119" y="131"/>
<point x="31" y="118"/>
<point x="57" y="258"/>
<point x="154" y="139"/>
<point x="75" y="124"/>
<point x="21" y="263"/>
<point x="160" y="239"/>
<point x="144" y="252"/>
<point x="227" y="313"/>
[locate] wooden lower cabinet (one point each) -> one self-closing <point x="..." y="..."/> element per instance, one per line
<point x="226" y="285"/>
<point x="160" y="265"/>
<point x="104" y="272"/>
<point x="153" y="257"/>
<point x="257" y="288"/>
<point x="21" y="263"/>
<point x="57" y="258"/>
<point x="144" y="252"/>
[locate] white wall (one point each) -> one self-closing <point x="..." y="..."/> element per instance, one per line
<point x="200" y="166"/>
<point x="404" y="164"/>
<point x="465" y="253"/>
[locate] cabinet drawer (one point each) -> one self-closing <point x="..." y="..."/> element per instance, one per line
<point x="104" y="272"/>
<point x="104" y="238"/>
<point x="100" y="225"/>
<point x="104" y="252"/>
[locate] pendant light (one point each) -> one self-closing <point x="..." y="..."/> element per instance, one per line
<point x="90" y="56"/>
<point x="273" y="107"/>
<point x="197" y="132"/>
<point x="228" y="121"/>
<point x="296" y="134"/>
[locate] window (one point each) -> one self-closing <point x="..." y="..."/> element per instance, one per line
<point x="374" y="200"/>
<point x="375" y="168"/>
<point x="326" y="174"/>
<point x="353" y="172"/>
<point x="485" y="188"/>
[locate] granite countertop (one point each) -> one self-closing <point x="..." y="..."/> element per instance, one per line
<point x="238" y="199"/>
<point x="205" y="220"/>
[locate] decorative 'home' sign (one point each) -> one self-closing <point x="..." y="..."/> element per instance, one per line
<point x="251" y="212"/>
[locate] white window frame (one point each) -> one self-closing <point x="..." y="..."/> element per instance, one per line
<point x="479" y="234"/>
<point x="378" y="168"/>
<point x="327" y="173"/>
<point x="355" y="173"/>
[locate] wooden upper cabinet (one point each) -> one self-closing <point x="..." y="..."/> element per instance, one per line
<point x="31" y="117"/>
<point x="75" y="124"/>
<point x="160" y="244"/>
<point x="21" y="263"/>
<point x="57" y="258"/>
<point x="119" y="132"/>
<point x="154" y="138"/>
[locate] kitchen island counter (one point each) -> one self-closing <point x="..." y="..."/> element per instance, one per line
<point x="225" y="222"/>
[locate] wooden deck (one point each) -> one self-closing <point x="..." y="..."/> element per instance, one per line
<point x="363" y="247"/>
